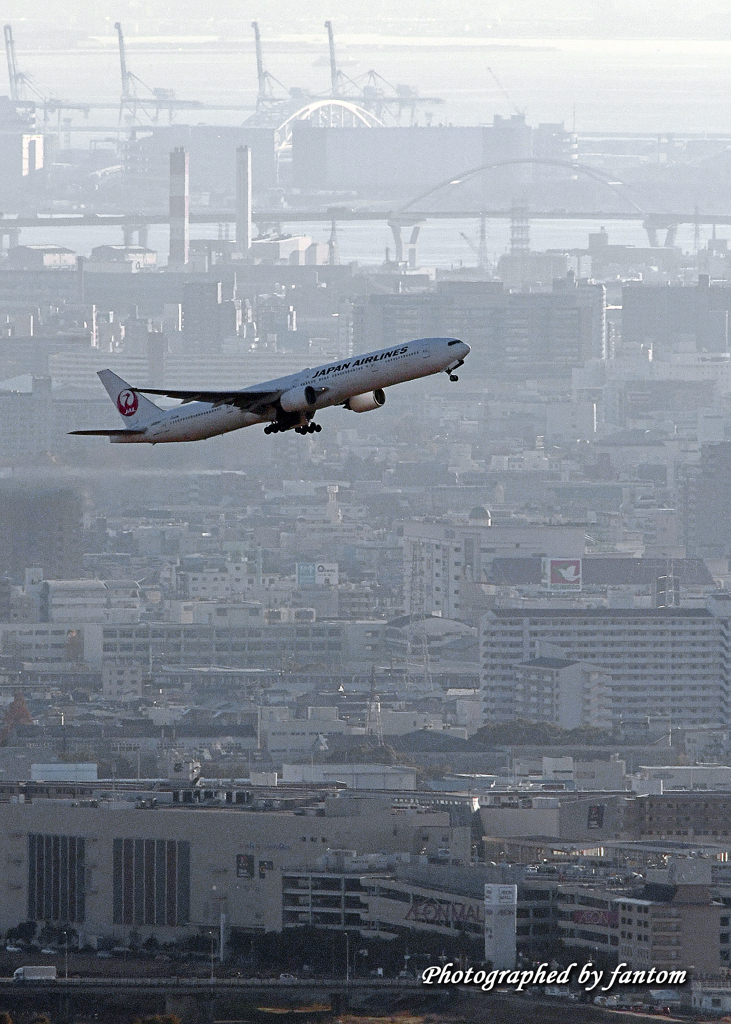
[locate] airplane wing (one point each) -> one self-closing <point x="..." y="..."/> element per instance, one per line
<point x="250" y="401"/>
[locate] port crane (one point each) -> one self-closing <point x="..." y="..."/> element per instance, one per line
<point x="371" y="95"/>
<point x="158" y="99"/>
<point x="479" y="249"/>
<point x="21" y="84"/>
<point x="335" y="74"/>
<point x="14" y="76"/>
<point x="265" y="93"/>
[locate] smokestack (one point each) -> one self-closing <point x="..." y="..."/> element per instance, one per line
<point x="243" y="199"/>
<point x="179" y="208"/>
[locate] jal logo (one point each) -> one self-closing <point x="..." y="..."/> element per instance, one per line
<point x="127" y="402"/>
<point x="566" y="571"/>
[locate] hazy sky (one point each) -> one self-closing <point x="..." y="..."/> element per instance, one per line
<point x="647" y="18"/>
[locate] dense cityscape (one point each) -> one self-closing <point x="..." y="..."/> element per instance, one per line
<point x="448" y="682"/>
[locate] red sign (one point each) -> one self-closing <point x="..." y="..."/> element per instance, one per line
<point x="564" y="572"/>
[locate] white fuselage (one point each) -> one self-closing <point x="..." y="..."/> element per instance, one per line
<point x="338" y="381"/>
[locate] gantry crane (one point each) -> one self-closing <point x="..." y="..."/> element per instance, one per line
<point x="14" y="77"/>
<point x="20" y="82"/>
<point x="157" y="99"/>
<point x="370" y="94"/>
<point x="123" y="61"/>
<point x="335" y="75"/>
<point x="265" y="93"/>
<point x="480" y="249"/>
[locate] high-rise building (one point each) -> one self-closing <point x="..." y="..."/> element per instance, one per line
<point x="667" y="665"/>
<point x="513" y="335"/>
<point x="40" y="527"/>
<point x="670" y="319"/>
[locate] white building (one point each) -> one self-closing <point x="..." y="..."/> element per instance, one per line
<point x="570" y="694"/>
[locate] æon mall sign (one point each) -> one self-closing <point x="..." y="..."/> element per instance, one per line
<point x="446" y="914"/>
<point x="606" y="918"/>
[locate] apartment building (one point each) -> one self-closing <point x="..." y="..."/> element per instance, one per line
<point x="666" y="664"/>
<point x="259" y="645"/>
<point x="570" y="694"/>
<point x="513" y="335"/>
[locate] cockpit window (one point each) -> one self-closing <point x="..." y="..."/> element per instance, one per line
<point x="455" y="342"/>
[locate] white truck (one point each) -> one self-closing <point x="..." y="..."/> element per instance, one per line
<point x="35" y="974"/>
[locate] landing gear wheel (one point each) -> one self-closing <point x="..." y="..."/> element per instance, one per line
<point x="318" y="428"/>
<point x="453" y="376"/>
<point x="268" y="430"/>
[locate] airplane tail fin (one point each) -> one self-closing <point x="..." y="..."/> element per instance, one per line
<point x="136" y="410"/>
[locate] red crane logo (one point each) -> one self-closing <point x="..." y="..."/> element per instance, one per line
<point x="127" y="402"/>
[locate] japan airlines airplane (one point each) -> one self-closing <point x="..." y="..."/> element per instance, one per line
<point x="288" y="403"/>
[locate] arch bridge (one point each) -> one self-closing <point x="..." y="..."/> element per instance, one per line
<point x="329" y="113"/>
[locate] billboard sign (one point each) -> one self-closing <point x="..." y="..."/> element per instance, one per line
<point x="326" y="574"/>
<point x="562" y="573"/>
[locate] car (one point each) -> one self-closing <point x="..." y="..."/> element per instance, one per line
<point x="13" y="949"/>
<point x="48" y="951"/>
<point x="287" y="977"/>
<point x="103" y="955"/>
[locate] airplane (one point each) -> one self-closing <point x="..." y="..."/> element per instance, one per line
<point x="287" y="403"/>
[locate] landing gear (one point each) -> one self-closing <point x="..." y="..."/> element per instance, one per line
<point x="307" y="428"/>
<point x="455" y="366"/>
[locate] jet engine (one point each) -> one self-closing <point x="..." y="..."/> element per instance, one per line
<point x="299" y="399"/>
<point x="364" y="403"/>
